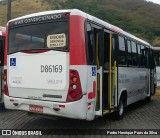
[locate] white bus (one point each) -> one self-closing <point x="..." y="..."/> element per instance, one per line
<point x="68" y="63"/>
<point x="157" y="62"/>
<point x="2" y="45"/>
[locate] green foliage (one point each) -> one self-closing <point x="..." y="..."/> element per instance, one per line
<point x="138" y="17"/>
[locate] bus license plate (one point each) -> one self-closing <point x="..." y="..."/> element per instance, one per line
<point x="35" y="108"/>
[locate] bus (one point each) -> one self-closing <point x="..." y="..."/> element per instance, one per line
<point x="67" y="63"/>
<point x="156" y="51"/>
<point x="2" y="44"/>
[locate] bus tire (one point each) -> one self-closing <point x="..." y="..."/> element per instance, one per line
<point x="148" y="99"/>
<point x="120" y="110"/>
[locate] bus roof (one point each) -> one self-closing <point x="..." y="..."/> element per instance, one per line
<point x="90" y="17"/>
<point x="156" y="48"/>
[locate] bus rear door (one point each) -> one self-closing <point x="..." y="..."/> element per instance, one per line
<point x="105" y="71"/>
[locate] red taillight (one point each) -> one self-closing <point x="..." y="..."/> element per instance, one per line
<point x="5" y="90"/>
<point x="73" y="94"/>
<point x="62" y="106"/>
<point x="75" y="90"/>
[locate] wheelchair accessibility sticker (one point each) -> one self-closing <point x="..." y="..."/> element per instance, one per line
<point x="12" y="61"/>
<point x="93" y="71"/>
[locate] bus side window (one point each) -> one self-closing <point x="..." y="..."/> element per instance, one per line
<point x="151" y="60"/>
<point x="144" y="56"/>
<point x="98" y="44"/>
<point x="106" y="50"/>
<point x="157" y="59"/>
<point x="134" y="54"/>
<point x="122" y="51"/>
<point x="129" y="55"/>
<point x="139" y="54"/>
<point x="90" y="45"/>
<point x="147" y="57"/>
<point x="114" y="56"/>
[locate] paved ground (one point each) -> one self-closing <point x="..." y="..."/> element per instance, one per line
<point x="141" y="115"/>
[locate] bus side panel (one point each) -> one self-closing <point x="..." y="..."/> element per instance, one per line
<point x="78" y="61"/>
<point x="135" y="81"/>
<point x="91" y="92"/>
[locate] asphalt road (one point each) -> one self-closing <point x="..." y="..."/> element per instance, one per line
<point x="140" y="115"/>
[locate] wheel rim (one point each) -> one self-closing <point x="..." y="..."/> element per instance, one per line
<point x="121" y="108"/>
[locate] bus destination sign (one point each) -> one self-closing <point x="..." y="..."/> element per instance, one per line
<point x="48" y="17"/>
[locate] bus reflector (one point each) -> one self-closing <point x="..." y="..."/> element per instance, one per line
<point x="11" y="100"/>
<point x="5" y="83"/>
<point x="62" y="106"/>
<point x="74" y="93"/>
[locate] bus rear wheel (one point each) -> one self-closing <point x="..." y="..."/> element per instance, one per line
<point x="120" y="110"/>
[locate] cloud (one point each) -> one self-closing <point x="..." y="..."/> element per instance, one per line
<point x="154" y="1"/>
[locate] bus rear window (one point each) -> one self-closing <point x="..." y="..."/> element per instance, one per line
<point x="39" y="36"/>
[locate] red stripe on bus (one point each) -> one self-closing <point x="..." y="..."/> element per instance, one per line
<point x="6" y="47"/>
<point x="77" y="41"/>
<point x="34" y="51"/>
<point x="92" y="95"/>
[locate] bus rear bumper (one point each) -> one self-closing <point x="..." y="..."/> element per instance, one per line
<point x="76" y="109"/>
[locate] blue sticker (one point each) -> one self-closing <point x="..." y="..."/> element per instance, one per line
<point x="93" y="71"/>
<point x="12" y="61"/>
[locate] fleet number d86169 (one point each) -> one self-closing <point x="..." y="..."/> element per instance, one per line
<point x="51" y="68"/>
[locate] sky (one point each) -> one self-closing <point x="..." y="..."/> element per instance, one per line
<point x="155" y="1"/>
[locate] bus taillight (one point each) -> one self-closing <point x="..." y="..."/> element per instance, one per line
<point x="75" y="90"/>
<point x="5" y="83"/>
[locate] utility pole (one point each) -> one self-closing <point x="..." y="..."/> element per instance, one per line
<point x="9" y="10"/>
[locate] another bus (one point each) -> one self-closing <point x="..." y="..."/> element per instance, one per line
<point x="2" y="44"/>
<point x="68" y="63"/>
<point x="157" y="62"/>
